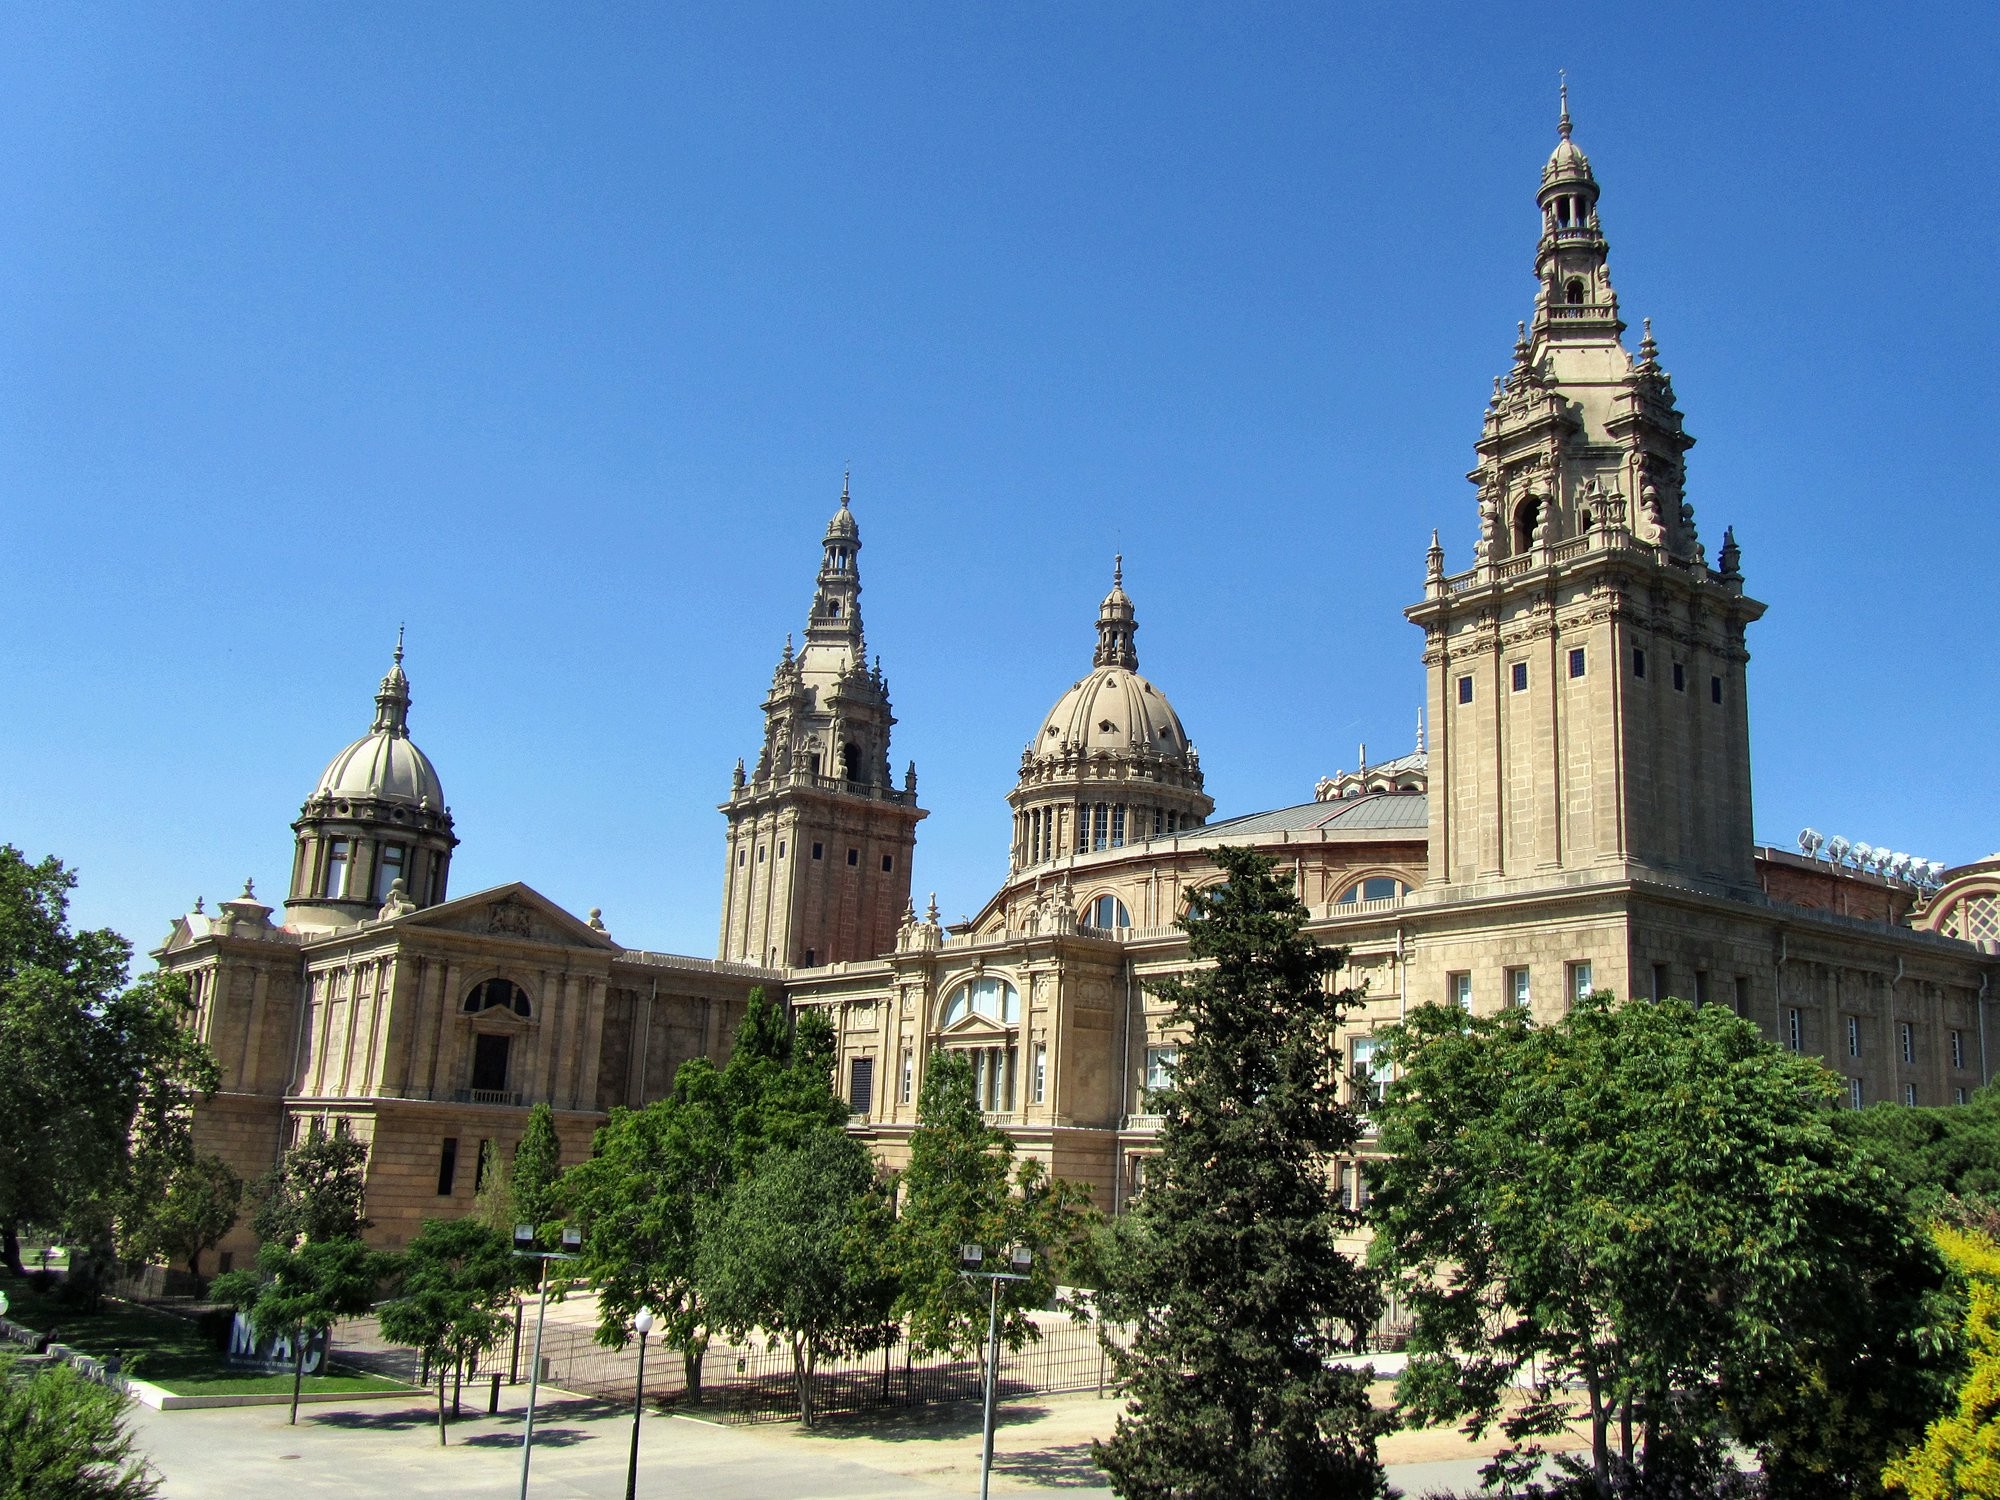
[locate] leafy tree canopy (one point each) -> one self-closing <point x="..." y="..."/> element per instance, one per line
<point x="196" y="1208"/>
<point x="962" y="1187"/>
<point x="794" y="1250"/>
<point x="1234" y="1280"/>
<point x="302" y="1289"/>
<point x="457" y="1279"/>
<point x="1960" y="1454"/>
<point x="315" y="1192"/>
<point x="63" y="1437"/>
<point x="537" y="1166"/>
<point x="1933" y="1153"/>
<point x="1650" y="1201"/>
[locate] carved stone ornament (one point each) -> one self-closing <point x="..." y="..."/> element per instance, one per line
<point x="508" y="916"/>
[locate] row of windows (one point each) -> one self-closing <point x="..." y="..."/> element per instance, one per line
<point x="1517" y="987"/>
<point x="818" y="852"/>
<point x="391" y="860"/>
<point x="1857" y="1094"/>
<point x="1098" y="825"/>
<point x="1517" y="674"/>
<point x="1906" y="1039"/>
<point x="994" y="1078"/>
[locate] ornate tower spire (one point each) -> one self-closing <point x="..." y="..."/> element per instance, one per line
<point x="392" y="699"/>
<point x="1116" y="624"/>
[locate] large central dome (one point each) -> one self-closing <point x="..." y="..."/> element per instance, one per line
<point x="1110" y="764"/>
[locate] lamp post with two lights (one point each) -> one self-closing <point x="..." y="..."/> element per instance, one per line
<point x="524" y="1246"/>
<point x="971" y="1262"/>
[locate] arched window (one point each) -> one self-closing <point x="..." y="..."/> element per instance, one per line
<point x="1526" y="518"/>
<point x="1374" y="888"/>
<point x="1573" y="293"/>
<point x="987" y="996"/>
<point x="501" y="993"/>
<point x="1106" y="912"/>
<point x="850" y="761"/>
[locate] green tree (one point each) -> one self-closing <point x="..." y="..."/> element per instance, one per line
<point x="457" y="1280"/>
<point x="1232" y="1277"/>
<point x="63" y="1437"/>
<point x="96" y="1076"/>
<point x="962" y="1187"/>
<point x="315" y="1192"/>
<point x="1648" y="1202"/>
<point x="537" y="1167"/>
<point x="299" y="1291"/>
<point x="794" y="1250"/>
<point x="195" y="1209"/>
<point x="1935" y="1154"/>
<point x="493" y="1204"/>
<point x="1960" y="1454"/>
<point x="638" y="1200"/>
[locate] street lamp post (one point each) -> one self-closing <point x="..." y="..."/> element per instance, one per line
<point x="642" y="1324"/>
<point x="524" y="1246"/>
<point x="970" y="1259"/>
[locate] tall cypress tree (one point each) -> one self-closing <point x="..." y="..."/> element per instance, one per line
<point x="1231" y="1275"/>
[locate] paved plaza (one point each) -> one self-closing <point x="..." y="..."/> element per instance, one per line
<point x="389" y="1448"/>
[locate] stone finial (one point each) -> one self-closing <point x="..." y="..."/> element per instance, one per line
<point x="197" y="906"/>
<point x="249" y="890"/>
<point x="931" y="913"/>
<point x="1562" y="123"/>
<point x="1732" y="555"/>
<point x="1420" y="729"/>
<point x="1434" y="558"/>
<point x="736" y="780"/>
<point x="910" y="779"/>
<point x="597" y="919"/>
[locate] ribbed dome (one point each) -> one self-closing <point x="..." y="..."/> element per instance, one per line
<point x="1567" y="164"/>
<point x="386" y="766"/>
<point x="1113" y="709"/>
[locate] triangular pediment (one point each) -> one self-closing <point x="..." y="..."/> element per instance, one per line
<point x="517" y="912"/>
<point x="976" y="1027"/>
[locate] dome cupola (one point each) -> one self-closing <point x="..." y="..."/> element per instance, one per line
<point x="1111" y="763"/>
<point x="375" y="826"/>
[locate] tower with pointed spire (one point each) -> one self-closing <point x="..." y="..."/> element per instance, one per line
<point x="1586" y="675"/>
<point x="820" y="836"/>
<point x="376" y="820"/>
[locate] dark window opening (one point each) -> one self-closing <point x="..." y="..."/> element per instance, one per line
<point x="489" y="1063"/>
<point x="1465" y="690"/>
<point x="1715" y="689"/>
<point x="854" y="856"/>
<point x="1576" y="662"/>
<point x="501" y="993"/>
<point x="861" y="1084"/>
<point x="850" y="761"/>
<point x="888" y="862"/>
<point x="760" y="854"/>
<point x="817" y="851"/>
<point x="809" y="958"/>
<point x="229" y="1256"/>
<point x="781" y="848"/>
<point x="1638" y="661"/>
<point x="1527" y="517"/>
<point x="1520" y="677"/>
<point x="1573" y="293"/>
<point x="447" y="1166"/>
<point x="1680" y="677"/>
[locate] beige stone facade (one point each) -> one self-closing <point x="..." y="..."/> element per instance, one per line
<point x="1575" y="815"/>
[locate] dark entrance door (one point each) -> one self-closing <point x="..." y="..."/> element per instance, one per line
<point x="489" y="1063"/>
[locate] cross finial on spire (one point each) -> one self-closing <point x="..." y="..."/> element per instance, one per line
<point x="846" y="473"/>
<point x="399" y="645"/>
<point x="1563" y="123"/>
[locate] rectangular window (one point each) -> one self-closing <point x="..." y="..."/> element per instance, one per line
<point x="854" y="856"/>
<point x="1360" y="1186"/>
<point x="1742" y="994"/>
<point x="1520" y="676"/>
<point x="1041" y="1079"/>
<point x="1367" y="1070"/>
<point x="1854" y="1036"/>
<point x="742" y="858"/>
<point x="447" y="1166"/>
<point x="1958" y="1049"/>
<point x="1659" y="983"/>
<point x="1517" y="988"/>
<point x="1347" y="1185"/>
<point x="1465" y="690"/>
<point x="1160" y="1063"/>
<point x="1855" y="1098"/>
<point x="388" y="870"/>
<point x="1638" y="661"/>
<point x="811" y="955"/>
<point x="1580" y="986"/>
<point x="818" y="850"/>
<point x="1958" y="1096"/>
<point x="1458" y="988"/>
<point x="1118" y="826"/>
<point x="781" y="848"/>
<point x="1701" y="986"/>
<point x="861" y="1084"/>
<point x="1100" y="817"/>
<point x="1576" y="661"/>
<point x="1906" y="1036"/>
<point x="1910" y="1095"/>
<point x="1795" y="1030"/>
<point x="760" y="854"/>
<point x="1680" y="677"/>
<point x="336" y="870"/>
<point x="888" y="863"/>
<point x="1715" y="689"/>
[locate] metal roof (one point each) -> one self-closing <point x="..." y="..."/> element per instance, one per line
<point x="1376" y="810"/>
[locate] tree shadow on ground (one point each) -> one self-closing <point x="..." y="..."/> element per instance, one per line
<point x="376" y="1419"/>
<point x="922" y="1423"/>
<point x="1068" y="1467"/>
<point x="545" y="1437"/>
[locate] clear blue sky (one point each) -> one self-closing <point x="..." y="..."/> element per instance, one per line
<point x="549" y="331"/>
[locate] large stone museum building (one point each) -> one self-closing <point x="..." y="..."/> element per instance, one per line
<point x="1575" y="814"/>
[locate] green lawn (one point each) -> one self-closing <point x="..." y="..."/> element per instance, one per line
<point x="156" y="1346"/>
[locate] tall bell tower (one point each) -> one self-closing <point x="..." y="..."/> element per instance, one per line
<point x="1586" y="684"/>
<point x="820" y="839"/>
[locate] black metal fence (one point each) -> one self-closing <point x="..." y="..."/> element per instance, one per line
<point x="752" y="1382"/>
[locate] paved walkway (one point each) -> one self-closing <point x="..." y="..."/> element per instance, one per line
<point x="390" y="1448"/>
